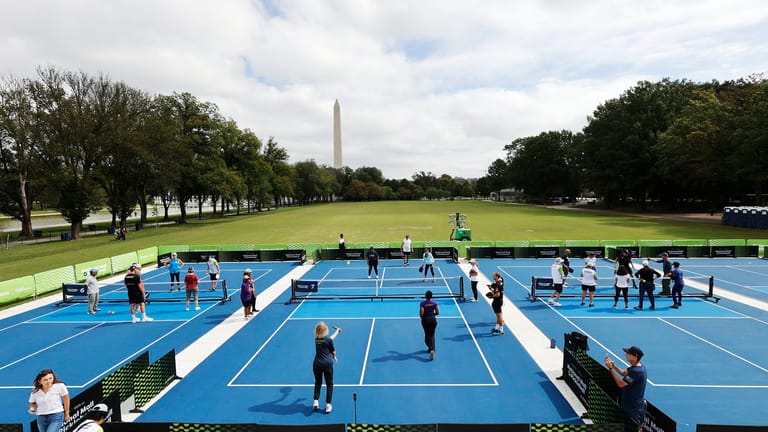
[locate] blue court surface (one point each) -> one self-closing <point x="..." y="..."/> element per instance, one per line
<point x="707" y="361"/>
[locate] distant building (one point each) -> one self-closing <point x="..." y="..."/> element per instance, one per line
<point x="509" y="194"/>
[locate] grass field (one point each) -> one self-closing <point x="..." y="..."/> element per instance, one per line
<point x="374" y="221"/>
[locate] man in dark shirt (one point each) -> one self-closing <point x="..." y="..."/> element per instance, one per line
<point x="646" y="276"/>
<point x="632" y="383"/>
<point x="373" y="262"/>
<point x="136" y="294"/>
<point x="666" y="272"/>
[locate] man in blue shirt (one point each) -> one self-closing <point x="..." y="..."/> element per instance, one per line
<point x="632" y="382"/>
<point x="677" y="285"/>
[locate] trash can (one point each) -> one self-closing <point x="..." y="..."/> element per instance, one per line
<point x="139" y="226"/>
<point x="66" y="236"/>
<point x="37" y="233"/>
<point x="111" y="229"/>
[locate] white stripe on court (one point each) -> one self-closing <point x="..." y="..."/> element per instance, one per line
<point x="367" y="351"/>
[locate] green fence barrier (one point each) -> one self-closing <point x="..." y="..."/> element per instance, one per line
<point x="654" y="242"/>
<point x="512" y="243"/>
<point x="696" y="242"/>
<point x="238" y="247"/>
<point x="204" y="248"/>
<point x="166" y="249"/>
<point x="17" y="289"/>
<point x="51" y="280"/>
<point x="104" y="265"/>
<point x="582" y="243"/>
<point x="617" y="243"/>
<point x="121" y="263"/>
<point x="727" y="242"/>
<point x="545" y="243"/>
<point x="146" y="256"/>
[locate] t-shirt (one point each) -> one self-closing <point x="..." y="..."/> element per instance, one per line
<point x="341" y="243"/>
<point x="92" y="285"/>
<point x="407" y="245"/>
<point x="174" y="265"/>
<point x="428" y="258"/>
<point x="677" y="277"/>
<point x="132" y="281"/>
<point x="633" y="395"/>
<point x="324" y="350"/>
<point x="473" y="273"/>
<point x="646" y="276"/>
<point x="373" y="256"/>
<point x="430" y="308"/>
<point x="557" y="273"/>
<point x="589" y="277"/>
<point x="51" y="402"/>
<point x="191" y="280"/>
<point x="622" y="281"/>
<point x="245" y="291"/>
<point x="498" y="286"/>
<point x="213" y="266"/>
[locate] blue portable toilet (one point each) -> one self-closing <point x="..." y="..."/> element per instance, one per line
<point x="743" y="219"/>
<point x="727" y="217"/>
<point x="753" y="221"/>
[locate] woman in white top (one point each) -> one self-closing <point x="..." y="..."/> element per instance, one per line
<point x="588" y="284"/>
<point x="474" y="271"/>
<point x="49" y="401"/>
<point x="623" y="276"/>
<point x="406" y="249"/>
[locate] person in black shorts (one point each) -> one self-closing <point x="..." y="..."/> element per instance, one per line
<point x="136" y="294"/>
<point x="322" y="366"/>
<point x="373" y="262"/>
<point x="647" y="275"/>
<point x="497" y="294"/>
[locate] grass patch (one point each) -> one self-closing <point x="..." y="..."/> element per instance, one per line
<point x="386" y="221"/>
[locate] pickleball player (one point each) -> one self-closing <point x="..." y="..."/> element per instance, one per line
<point x="136" y="293"/>
<point x="322" y="366"/>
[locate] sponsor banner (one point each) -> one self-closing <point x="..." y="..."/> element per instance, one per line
<point x="306" y="286"/>
<point x="722" y="251"/>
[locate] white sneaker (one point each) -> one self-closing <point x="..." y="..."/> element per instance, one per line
<point x="146" y="319"/>
<point x="197" y="307"/>
<point x="369" y="276"/>
<point x="550" y="301"/>
<point x="377" y="276"/>
<point x="328" y="408"/>
<point x="134" y="319"/>
<point x="186" y="308"/>
<point x="556" y="304"/>
<point x="315" y="405"/>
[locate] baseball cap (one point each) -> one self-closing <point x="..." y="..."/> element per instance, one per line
<point x="132" y="267"/>
<point x="248" y="271"/>
<point x="645" y="263"/>
<point x="664" y="254"/>
<point x="100" y="408"/>
<point x="635" y="351"/>
<point x="191" y="269"/>
<point x="93" y="270"/>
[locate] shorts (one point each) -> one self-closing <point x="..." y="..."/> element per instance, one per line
<point x="558" y="288"/>
<point x="213" y="276"/>
<point x="135" y="296"/>
<point x="175" y="277"/>
<point x="496" y="306"/>
<point x="247" y="302"/>
<point x="407" y="253"/>
<point x="590" y="288"/>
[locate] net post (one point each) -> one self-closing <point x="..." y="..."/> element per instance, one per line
<point x="293" y="292"/>
<point x="224" y="289"/>
<point x="711" y="286"/>
<point x="533" y="288"/>
<point x="461" y="288"/>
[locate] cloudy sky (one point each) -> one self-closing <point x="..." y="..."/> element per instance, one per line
<point x="438" y="86"/>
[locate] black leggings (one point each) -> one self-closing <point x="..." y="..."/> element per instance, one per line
<point x="429" y="267"/>
<point x="374" y="266"/>
<point x="621" y="291"/>
<point x="429" y="323"/>
<point x="326" y="372"/>
<point x="474" y="289"/>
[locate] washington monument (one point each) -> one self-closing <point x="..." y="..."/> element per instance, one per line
<point x="336" y="135"/>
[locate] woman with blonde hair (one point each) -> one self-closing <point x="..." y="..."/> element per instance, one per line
<point x="322" y="367"/>
<point x="49" y="401"/>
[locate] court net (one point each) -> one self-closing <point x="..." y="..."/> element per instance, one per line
<point x="695" y="286"/>
<point x="155" y="292"/>
<point x="391" y="288"/>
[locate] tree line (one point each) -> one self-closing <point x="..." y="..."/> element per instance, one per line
<point x="669" y="142"/>
<point x="79" y="143"/>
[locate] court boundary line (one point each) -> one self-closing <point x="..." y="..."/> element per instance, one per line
<point x="367" y="351"/>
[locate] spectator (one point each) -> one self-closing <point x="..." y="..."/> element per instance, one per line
<point x="190" y="282"/>
<point x="92" y="288"/>
<point x="49" y="401"/>
<point x="474" y="273"/>
<point x="647" y="277"/>
<point x="677" y="287"/>
<point x="174" y="270"/>
<point x="558" y="276"/>
<point x="213" y="271"/>
<point x="497" y="294"/>
<point x="632" y="382"/>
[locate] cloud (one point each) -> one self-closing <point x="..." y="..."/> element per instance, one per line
<point x="424" y="86"/>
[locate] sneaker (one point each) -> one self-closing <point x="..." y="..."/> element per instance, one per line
<point x="550" y="301"/>
<point x="591" y="305"/>
<point x="134" y="319"/>
<point x="147" y="319"/>
<point x="328" y="408"/>
<point x="501" y="333"/>
<point x="315" y="405"/>
<point x="197" y="308"/>
<point x="246" y="317"/>
<point x="638" y="308"/>
<point x="674" y="306"/>
<point x="96" y="310"/>
<point x="495" y="330"/>
<point x="614" y="305"/>
<point x="582" y="303"/>
<point x="652" y="308"/>
<point x="431" y="355"/>
<point x="369" y="276"/>
<point x="255" y="310"/>
<point x="556" y="304"/>
<point x="377" y="276"/>
<point x="473" y="300"/>
<point x="626" y="306"/>
<point x="186" y="308"/>
<point x="433" y="280"/>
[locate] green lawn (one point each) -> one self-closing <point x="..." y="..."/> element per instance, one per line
<point x="369" y="222"/>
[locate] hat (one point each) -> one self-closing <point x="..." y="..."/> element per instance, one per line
<point x="645" y="263"/>
<point x="100" y="408"/>
<point x="664" y="254"/>
<point x="93" y="270"/>
<point x="635" y="351"/>
<point x="132" y="267"/>
<point x="191" y="269"/>
<point x="248" y="270"/>
<point x="558" y="260"/>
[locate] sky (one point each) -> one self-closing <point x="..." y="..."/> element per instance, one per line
<point x="436" y="86"/>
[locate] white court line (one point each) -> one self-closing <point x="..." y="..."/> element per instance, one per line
<point x="367" y="351"/>
<point x="376" y="385"/>
<point x="477" y="344"/>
